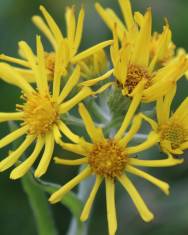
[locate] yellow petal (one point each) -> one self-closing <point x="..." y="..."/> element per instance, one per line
<point x="13" y="136"/>
<point x="70" y="23"/>
<point x="142" y="47"/>
<point x="46" y="157"/>
<point x="91" y="51"/>
<point x="111" y="207"/>
<point x="24" y="167"/>
<point x="79" y="30"/>
<point x="42" y="66"/>
<point x="81" y="95"/>
<point x="11" y="116"/>
<point x="52" y="25"/>
<point x="70" y="84"/>
<point x="75" y="148"/>
<point x="152" y="123"/>
<point x="67" y="132"/>
<point x="58" y="195"/>
<point x="132" y="109"/>
<point x="94" y="81"/>
<point x="155" y="163"/>
<point x="10" y="75"/>
<point x="136" y="124"/>
<point x="14" y="60"/>
<point x="161" y="184"/>
<point x="41" y="25"/>
<point x="71" y="162"/>
<point x="152" y="139"/>
<point x="87" y="208"/>
<point x="15" y="155"/>
<point x="143" y="210"/>
<point x="95" y="133"/>
<point x="127" y="13"/>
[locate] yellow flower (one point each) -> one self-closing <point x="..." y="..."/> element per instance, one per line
<point x="172" y="129"/>
<point x="69" y="43"/>
<point x="94" y="65"/>
<point x="130" y="29"/>
<point x="110" y="159"/>
<point x="132" y="65"/>
<point x="41" y="110"/>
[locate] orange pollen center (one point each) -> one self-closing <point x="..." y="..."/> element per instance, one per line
<point x="40" y="113"/>
<point x="174" y="133"/>
<point x="108" y="159"/>
<point x="135" y="74"/>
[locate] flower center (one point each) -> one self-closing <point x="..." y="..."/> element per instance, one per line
<point x="50" y="63"/>
<point x="108" y="159"/>
<point x="40" y="113"/>
<point x="174" y="133"/>
<point x="135" y="74"/>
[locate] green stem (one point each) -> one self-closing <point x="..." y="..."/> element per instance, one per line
<point x="40" y="207"/>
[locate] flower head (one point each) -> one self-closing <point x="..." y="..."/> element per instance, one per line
<point x="41" y="110"/>
<point x="172" y="129"/>
<point x="110" y="159"/>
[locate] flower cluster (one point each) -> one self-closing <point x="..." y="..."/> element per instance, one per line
<point x="143" y="68"/>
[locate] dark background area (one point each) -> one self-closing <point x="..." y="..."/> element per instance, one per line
<point x="15" y="213"/>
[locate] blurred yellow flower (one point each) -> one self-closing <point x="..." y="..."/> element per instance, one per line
<point x="69" y="43"/>
<point x="130" y="28"/>
<point x="110" y="159"/>
<point x="40" y="112"/>
<point x="172" y="128"/>
<point x="133" y="68"/>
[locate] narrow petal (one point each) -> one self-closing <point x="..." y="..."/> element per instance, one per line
<point x="155" y="163"/>
<point x="4" y="117"/>
<point x="95" y="133"/>
<point x="94" y="81"/>
<point x="70" y="23"/>
<point x="13" y="136"/>
<point x="10" y="75"/>
<point x="151" y="122"/>
<point x="41" y="25"/>
<point x="14" y="60"/>
<point x="59" y="69"/>
<point x="15" y="155"/>
<point x="71" y="162"/>
<point x="79" y="30"/>
<point x="67" y="132"/>
<point x="87" y="208"/>
<point x="91" y="51"/>
<point x="152" y="139"/>
<point x="46" y="157"/>
<point x="32" y="60"/>
<point x="180" y="113"/>
<point x="58" y="195"/>
<point x="132" y="109"/>
<point x="127" y="13"/>
<point x="111" y="207"/>
<point x="52" y="25"/>
<point x="133" y="130"/>
<point x="27" y="74"/>
<point x="142" y="47"/>
<point x="81" y="95"/>
<point x="143" y="210"/>
<point x="161" y="184"/>
<point x="70" y="84"/>
<point x="75" y="148"/>
<point x="24" y="167"/>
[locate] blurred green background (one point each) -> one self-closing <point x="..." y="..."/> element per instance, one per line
<point x="15" y="212"/>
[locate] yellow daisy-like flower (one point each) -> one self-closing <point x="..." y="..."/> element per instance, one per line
<point x="41" y="110"/>
<point x="130" y="29"/>
<point x="69" y="43"/>
<point x="133" y="67"/>
<point x="172" y="129"/>
<point x="110" y="159"/>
